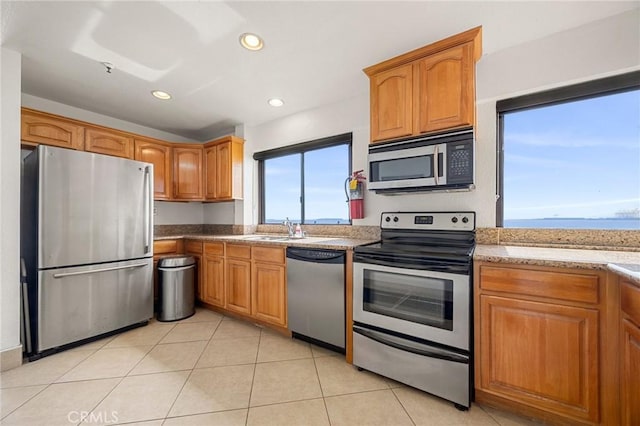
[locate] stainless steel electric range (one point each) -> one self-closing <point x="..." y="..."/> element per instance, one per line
<point x="412" y="302"/>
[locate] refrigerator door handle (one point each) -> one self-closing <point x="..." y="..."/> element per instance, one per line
<point x="95" y="271"/>
<point x="148" y="191"/>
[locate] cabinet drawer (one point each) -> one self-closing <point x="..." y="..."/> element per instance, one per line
<point x="568" y="286"/>
<point x="630" y="301"/>
<point x="192" y="246"/>
<point x="214" y="249"/>
<point x="165" y="247"/>
<point x="239" y="251"/>
<point x="268" y="254"/>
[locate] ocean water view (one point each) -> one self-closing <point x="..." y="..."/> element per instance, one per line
<point x="575" y="223"/>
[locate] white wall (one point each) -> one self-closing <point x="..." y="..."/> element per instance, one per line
<point x="42" y="104"/>
<point x="174" y="213"/>
<point x="10" y="83"/>
<point x="606" y="47"/>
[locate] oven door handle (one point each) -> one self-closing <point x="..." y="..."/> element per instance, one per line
<point x="423" y="350"/>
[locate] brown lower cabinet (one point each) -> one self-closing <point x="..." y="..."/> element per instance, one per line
<point x="537" y="341"/>
<point x="558" y="344"/>
<point x="245" y="279"/>
<point x="630" y="353"/>
<point x="213" y="289"/>
<point x="268" y="282"/>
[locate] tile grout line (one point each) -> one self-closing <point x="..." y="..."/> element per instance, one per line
<point x="253" y="378"/>
<point x="46" y="385"/>
<point x="130" y="370"/>
<point x="324" y="400"/>
<point x="402" y="405"/>
<point x="191" y="372"/>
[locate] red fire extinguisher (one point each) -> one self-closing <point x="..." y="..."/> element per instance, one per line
<point x="354" y="189"/>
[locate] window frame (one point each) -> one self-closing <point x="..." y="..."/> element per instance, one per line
<point x="299" y="148"/>
<point x="591" y="89"/>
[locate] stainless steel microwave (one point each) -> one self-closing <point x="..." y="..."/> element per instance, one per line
<point x="438" y="162"/>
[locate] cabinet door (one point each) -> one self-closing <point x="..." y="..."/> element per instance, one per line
<point x="187" y="173"/>
<point x="159" y="154"/>
<point x="211" y="170"/>
<point x="392" y="103"/>
<point x="238" y="285"/>
<point x="42" y="128"/>
<point x="542" y="354"/>
<point x="269" y="293"/>
<point x="445" y="95"/>
<point x="109" y="142"/>
<point x="223" y="171"/>
<point x="224" y="165"/>
<point x="213" y="290"/>
<point x="630" y="380"/>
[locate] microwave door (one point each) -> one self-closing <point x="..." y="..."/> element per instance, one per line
<point x="403" y="168"/>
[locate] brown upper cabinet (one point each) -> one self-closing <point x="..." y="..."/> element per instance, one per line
<point x="42" y="128"/>
<point x="187" y="172"/>
<point x="426" y="90"/>
<point x="392" y="103"/>
<point x="108" y="141"/>
<point x="182" y="171"/>
<point x="223" y="169"/>
<point x="159" y="154"/>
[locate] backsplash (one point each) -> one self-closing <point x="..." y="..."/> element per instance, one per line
<point x="348" y="231"/>
<point x="594" y="239"/>
<point x="357" y="232"/>
<point x="168" y="230"/>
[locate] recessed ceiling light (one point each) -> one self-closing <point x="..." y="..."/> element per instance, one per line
<point x="251" y="41"/>
<point x="276" y="102"/>
<point x="161" y="95"/>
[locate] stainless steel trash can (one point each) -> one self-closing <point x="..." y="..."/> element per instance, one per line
<point x="175" y="287"/>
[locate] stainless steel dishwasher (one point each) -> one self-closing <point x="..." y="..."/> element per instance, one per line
<point x="316" y="296"/>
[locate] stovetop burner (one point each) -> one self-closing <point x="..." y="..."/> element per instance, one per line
<point x="436" y="241"/>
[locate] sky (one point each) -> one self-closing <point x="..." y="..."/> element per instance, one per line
<point x="578" y="159"/>
<point x="325" y="171"/>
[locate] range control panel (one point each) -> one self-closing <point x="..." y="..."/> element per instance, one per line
<point x="434" y="221"/>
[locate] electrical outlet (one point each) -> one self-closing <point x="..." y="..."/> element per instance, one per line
<point x="155" y="211"/>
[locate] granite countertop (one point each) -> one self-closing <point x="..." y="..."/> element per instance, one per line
<point x="625" y="263"/>
<point x="320" y="241"/>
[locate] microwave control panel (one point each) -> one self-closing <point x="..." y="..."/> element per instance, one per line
<point x="460" y="163"/>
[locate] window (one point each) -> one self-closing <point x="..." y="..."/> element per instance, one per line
<point x="305" y="182"/>
<point x="570" y="157"/>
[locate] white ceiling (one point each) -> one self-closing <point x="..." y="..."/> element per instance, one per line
<point x="314" y="51"/>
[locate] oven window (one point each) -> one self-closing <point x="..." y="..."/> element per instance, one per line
<point x="403" y="168"/>
<point x="422" y="300"/>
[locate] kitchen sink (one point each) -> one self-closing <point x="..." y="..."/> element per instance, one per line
<point x="267" y="238"/>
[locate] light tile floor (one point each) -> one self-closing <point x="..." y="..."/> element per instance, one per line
<point x="215" y="370"/>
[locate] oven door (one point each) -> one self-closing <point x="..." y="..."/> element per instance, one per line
<point x="433" y="306"/>
<point x="408" y="167"/>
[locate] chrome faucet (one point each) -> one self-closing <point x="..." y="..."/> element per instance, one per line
<point x="290" y="228"/>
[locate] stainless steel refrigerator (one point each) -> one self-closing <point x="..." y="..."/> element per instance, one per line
<point x="87" y="244"/>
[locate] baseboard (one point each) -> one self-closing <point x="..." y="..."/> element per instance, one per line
<point x="11" y="358"/>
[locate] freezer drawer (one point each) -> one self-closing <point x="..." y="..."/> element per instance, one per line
<point x="82" y="302"/>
